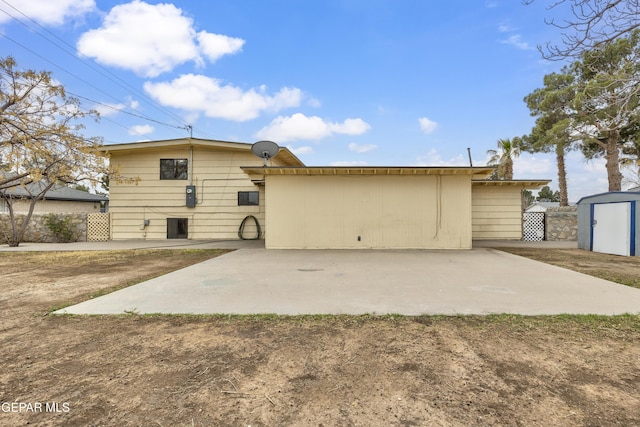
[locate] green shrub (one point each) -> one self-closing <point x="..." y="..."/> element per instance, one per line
<point x="61" y="227"/>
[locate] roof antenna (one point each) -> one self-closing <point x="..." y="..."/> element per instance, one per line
<point x="470" y="161"/>
<point x="265" y="150"/>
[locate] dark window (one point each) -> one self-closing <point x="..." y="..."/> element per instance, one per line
<point x="173" y="168"/>
<point x="248" y="198"/>
<point x="177" y="228"/>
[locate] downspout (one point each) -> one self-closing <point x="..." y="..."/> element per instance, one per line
<point x="438" y="205"/>
<point x="190" y="163"/>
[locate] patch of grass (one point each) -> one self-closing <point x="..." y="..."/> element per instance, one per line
<point x="84" y="261"/>
<point x="598" y="324"/>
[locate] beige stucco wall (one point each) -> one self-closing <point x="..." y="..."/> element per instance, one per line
<point x="392" y="211"/>
<point x="53" y="206"/>
<point x="217" y="177"/>
<point x="497" y="212"/>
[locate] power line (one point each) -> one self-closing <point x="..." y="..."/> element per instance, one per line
<point x="97" y="68"/>
<point x="88" y="61"/>
<point x="140" y="116"/>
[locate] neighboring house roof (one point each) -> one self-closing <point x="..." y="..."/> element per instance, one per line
<point x="57" y="192"/>
<point x="284" y="155"/>
<point x="543" y="206"/>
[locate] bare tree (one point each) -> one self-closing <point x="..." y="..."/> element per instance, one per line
<point x="40" y="143"/>
<point x="593" y="23"/>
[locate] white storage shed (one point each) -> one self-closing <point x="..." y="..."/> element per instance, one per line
<point x="608" y="223"/>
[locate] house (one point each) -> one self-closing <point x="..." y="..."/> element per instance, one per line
<point x="59" y="199"/>
<point x="187" y="188"/>
<point x="204" y="189"/>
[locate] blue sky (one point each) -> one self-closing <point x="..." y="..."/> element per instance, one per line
<point x="339" y="82"/>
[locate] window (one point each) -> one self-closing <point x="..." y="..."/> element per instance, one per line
<point x="173" y="168"/>
<point x="248" y="198"/>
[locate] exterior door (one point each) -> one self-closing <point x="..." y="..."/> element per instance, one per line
<point x="611" y="225"/>
<point x="177" y="228"/>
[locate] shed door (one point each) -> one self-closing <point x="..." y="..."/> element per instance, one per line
<point x="612" y="228"/>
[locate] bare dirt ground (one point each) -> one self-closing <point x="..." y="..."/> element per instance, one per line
<point x="135" y="370"/>
<point x="620" y="269"/>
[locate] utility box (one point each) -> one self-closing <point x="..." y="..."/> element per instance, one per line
<point x="191" y="196"/>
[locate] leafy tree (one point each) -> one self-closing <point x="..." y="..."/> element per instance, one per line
<point x="593" y="105"/>
<point x="508" y="149"/>
<point x="547" y="195"/>
<point x="607" y="103"/>
<point x="553" y="107"/>
<point x="527" y="198"/>
<point x="40" y="143"/>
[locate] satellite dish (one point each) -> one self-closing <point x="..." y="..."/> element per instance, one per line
<point x="265" y="150"/>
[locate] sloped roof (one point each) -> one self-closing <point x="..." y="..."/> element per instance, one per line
<point x="284" y="154"/>
<point x="57" y="192"/>
<point x="612" y="196"/>
<point x="547" y="205"/>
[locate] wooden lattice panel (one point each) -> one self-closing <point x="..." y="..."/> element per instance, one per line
<point x="533" y="226"/>
<point x="98" y="227"/>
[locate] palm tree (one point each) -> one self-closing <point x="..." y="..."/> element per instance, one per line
<point x="508" y="149"/>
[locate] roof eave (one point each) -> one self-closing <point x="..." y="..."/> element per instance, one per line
<point x="529" y="184"/>
<point x="476" y="172"/>
<point x="287" y="156"/>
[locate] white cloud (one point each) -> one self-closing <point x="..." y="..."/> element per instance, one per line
<point x="215" y="46"/>
<point x="198" y="93"/>
<point x="133" y="103"/>
<point x="362" y="148"/>
<point x="50" y="12"/>
<point x="313" y="102"/>
<point x="300" y="150"/>
<point x="535" y="167"/>
<point x="141" y="129"/>
<point x="152" y="39"/>
<point x="349" y="163"/>
<point x="516" y="40"/>
<point x="427" y="126"/>
<point x="107" y="110"/>
<point x="433" y="158"/>
<point x="298" y="126"/>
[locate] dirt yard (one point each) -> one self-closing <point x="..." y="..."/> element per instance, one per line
<point x="135" y="370"/>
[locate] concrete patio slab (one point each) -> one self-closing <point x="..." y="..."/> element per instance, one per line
<point x="410" y="282"/>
